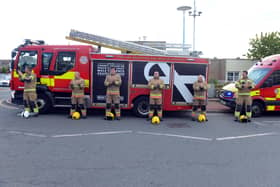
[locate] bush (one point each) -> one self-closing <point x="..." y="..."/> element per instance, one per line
<point x="4" y="69"/>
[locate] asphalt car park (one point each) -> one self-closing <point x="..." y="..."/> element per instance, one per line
<point x="51" y="150"/>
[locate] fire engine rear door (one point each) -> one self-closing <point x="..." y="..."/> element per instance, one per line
<point x="100" y="69"/>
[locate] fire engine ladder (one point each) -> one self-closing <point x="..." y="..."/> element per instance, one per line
<point x="100" y="41"/>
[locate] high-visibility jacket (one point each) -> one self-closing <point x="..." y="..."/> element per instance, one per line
<point x="29" y="82"/>
<point x="113" y="83"/>
<point x="77" y="86"/>
<point x="244" y="86"/>
<point x="200" y="90"/>
<point x="156" y="86"/>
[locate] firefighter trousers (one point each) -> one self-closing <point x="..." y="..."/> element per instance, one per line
<point x="198" y="103"/>
<point x="78" y="102"/>
<point x="246" y="102"/>
<point x="155" y="105"/>
<point x="29" y="101"/>
<point x="113" y="100"/>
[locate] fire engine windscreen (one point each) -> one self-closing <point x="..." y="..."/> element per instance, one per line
<point x="27" y="58"/>
<point x="258" y="74"/>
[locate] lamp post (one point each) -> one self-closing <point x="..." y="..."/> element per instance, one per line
<point x="184" y="9"/>
<point x="194" y="14"/>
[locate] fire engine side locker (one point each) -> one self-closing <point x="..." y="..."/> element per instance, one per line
<point x="99" y="70"/>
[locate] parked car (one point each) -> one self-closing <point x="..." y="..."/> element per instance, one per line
<point x="5" y="79"/>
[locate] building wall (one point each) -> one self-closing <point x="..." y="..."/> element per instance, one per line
<point x="228" y="70"/>
<point x="217" y="69"/>
<point x="236" y="66"/>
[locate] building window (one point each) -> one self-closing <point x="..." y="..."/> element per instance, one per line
<point x="232" y="76"/>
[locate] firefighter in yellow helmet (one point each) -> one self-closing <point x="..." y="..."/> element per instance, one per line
<point x="200" y="97"/>
<point x="77" y="85"/>
<point x="113" y="83"/>
<point x="156" y="86"/>
<point x="244" y="86"/>
<point x="29" y="93"/>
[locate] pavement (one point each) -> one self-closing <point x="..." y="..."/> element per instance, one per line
<point x="214" y="105"/>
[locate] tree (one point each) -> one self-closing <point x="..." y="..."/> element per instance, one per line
<point x="4" y="69"/>
<point x="264" y="45"/>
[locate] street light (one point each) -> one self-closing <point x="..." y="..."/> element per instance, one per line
<point x="184" y="9"/>
<point x="194" y="14"/>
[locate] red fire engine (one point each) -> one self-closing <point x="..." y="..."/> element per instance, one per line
<point x="55" y="65"/>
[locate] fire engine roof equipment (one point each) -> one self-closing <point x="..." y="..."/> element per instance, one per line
<point x="102" y="41"/>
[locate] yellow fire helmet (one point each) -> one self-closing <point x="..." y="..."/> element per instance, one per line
<point x="243" y="118"/>
<point x="155" y="120"/>
<point x="110" y="116"/>
<point x="201" y="118"/>
<point x="76" y="115"/>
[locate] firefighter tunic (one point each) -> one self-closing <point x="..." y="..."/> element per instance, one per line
<point x="78" y="96"/>
<point x="113" y="83"/>
<point x="156" y="86"/>
<point x="244" y="87"/>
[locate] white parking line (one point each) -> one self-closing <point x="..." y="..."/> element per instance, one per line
<point x="28" y="134"/>
<point x="175" y="135"/>
<point x="246" y="136"/>
<point x="91" y="133"/>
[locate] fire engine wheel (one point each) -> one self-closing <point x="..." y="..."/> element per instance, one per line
<point x="43" y="103"/>
<point x="141" y="107"/>
<point x="257" y="109"/>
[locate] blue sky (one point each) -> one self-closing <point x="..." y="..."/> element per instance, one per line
<point x="223" y="30"/>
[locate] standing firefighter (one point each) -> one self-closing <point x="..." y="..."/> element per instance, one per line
<point x="29" y="93"/>
<point x="156" y="86"/>
<point x="199" y="99"/>
<point x="244" y="86"/>
<point x="113" y="83"/>
<point x="77" y="86"/>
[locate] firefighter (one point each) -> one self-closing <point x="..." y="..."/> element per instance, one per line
<point x="113" y="83"/>
<point x="77" y="86"/>
<point x="156" y="86"/>
<point x="199" y="99"/>
<point x="29" y="93"/>
<point x="244" y="86"/>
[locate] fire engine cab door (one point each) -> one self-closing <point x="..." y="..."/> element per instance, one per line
<point x="47" y="58"/>
<point x="62" y="70"/>
<point x="185" y="74"/>
<point x="270" y="90"/>
<point x="100" y="69"/>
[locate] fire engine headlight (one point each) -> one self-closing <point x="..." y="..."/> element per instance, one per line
<point x="228" y="94"/>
